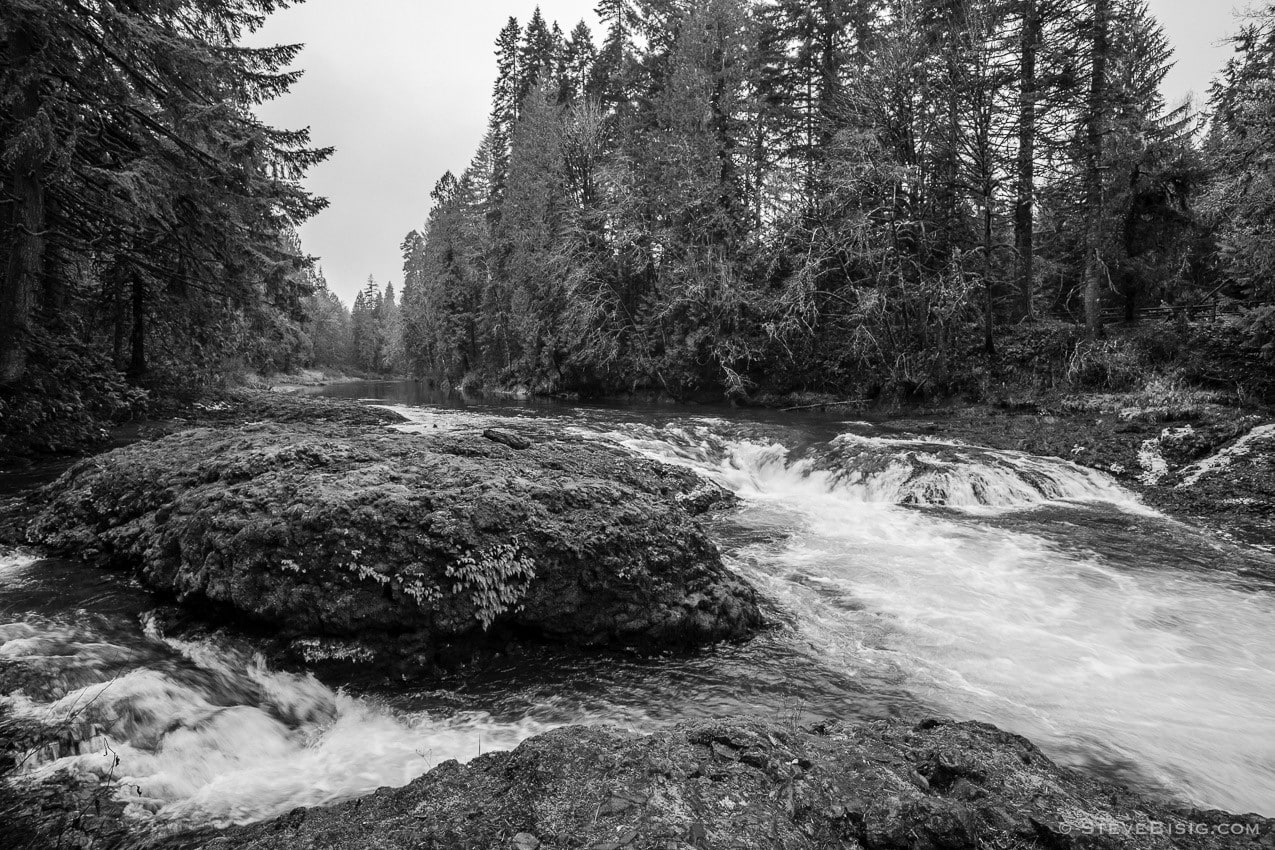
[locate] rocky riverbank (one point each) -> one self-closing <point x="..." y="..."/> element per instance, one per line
<point x="742" y="785"/>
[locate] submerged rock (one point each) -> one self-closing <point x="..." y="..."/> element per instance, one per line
<point x="743" y="785"/>
<point x="430" y="540"/>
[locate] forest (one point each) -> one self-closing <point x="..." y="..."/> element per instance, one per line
<point x="746" y="199"/>
<point x="879" y="198"/>
<point x="149" y="218"/>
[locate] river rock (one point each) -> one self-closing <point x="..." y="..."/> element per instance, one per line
<point x="743" y="785"/>
<point x="507" y="438"/>
<point x="445" y="539"/>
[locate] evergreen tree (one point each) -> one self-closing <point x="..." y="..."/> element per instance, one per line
<point x="808" y="49"/>
<point x="610" y="79"/>
<point x="392" y="333"/>
<point x="367" y="328"/>
<point x="417" y="354"/>
<point x="504" y="107"/>
<point x="531" y="229"/>
<point x="1097" y="111"/>
<point x="536" y="55"/>
<point x="577" y="65"/>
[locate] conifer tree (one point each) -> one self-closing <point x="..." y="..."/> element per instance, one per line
<point x="504" y="104"/>
<point x="536" y="54"/>
<point x="577" y="66"/>
<point x="610" y="79"/>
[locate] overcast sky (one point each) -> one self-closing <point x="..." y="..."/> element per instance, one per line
<point x="401" y="89"/>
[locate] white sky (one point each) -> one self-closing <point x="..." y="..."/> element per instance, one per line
<point x="401" y="88"/>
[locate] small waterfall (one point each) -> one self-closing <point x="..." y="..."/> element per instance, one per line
<point x="930" y="472"/>
<point x="884" y="470"/>
<point x="204" y="734"/>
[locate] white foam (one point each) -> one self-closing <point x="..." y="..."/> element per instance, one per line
<point x="236" y="742"/>
<point x="15" y="561"/>
<point x="915" y="471"/>
<point x="933" y="472"/>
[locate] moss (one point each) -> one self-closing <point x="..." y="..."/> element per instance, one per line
<point x="344" y="530"/>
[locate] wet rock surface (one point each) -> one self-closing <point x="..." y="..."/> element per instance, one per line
<point x="741" y="785"/>
<point x="241" y="406"/>
<point x="417" y="542"/>
<point x="222" y="409"/>
<point x="1234" y="485"/>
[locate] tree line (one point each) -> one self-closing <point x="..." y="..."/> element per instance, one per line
<point x="367" y="337"/>
<point x="147" y="216"/>
<point x="845" y="195"/>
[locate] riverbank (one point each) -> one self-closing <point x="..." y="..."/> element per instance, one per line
<point x="269" y="425"/>
<point x="753" y="786"/>
<point x="718" y="785"/>
<point x="1175" y="447"/>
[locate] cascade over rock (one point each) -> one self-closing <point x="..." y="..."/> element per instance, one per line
<point x="929" y="472"/>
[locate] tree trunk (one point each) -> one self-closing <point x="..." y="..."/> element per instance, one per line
<point x="1024" y="212"/>
<point x="1094" y="129"/>
<point x="989" y="307"/>
<point x="24" y="224"/>
<point x="119" y="305"/>
<point x="137" y="359"/>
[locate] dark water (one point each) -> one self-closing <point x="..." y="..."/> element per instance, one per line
<point x="1022" y="591"/>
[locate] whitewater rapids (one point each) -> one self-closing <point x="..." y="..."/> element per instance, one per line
<point x="910" y="577"/>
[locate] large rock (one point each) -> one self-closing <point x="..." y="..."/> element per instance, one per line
<point x="433" y="540"/>
<point x="754" y="786"/>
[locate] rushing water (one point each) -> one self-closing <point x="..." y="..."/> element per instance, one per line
<point x="909" y="576"/>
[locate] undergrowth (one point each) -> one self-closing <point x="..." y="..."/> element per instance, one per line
<point x="69" y="395"/>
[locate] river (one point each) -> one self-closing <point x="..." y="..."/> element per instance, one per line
<point x="1025" y="592"/>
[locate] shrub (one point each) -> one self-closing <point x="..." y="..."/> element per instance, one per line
<point x="70" y="392"/>
<point x="1108" y="364"/>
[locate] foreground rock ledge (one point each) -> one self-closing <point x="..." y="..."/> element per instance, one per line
<point x="332" y="531"/>
<point x="743" y="785"/>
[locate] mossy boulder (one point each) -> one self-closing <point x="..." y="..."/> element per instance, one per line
<point x="329" y="532"/>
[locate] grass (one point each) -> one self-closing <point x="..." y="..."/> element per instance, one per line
<point x="1162" y="397"/>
